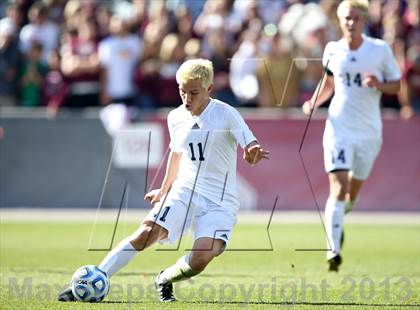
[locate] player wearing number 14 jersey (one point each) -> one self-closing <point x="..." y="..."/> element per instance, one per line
<point x="198" y="191"/>
<point x="358" y="69"/>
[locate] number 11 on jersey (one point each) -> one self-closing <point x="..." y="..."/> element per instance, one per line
<point x="200" y="152"/>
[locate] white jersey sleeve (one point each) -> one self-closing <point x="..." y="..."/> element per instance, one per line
<point x="328" y="53"/>
<point x="239" y="129"/>
<point x="390" y="66"/>
<point x="173" y="119"/>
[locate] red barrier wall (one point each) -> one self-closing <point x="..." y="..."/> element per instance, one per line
<point x="394" y="184"/>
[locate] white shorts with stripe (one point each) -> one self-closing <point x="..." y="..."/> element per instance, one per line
<point x="182" y="211"/>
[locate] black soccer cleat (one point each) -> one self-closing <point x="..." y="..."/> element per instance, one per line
<point x="334" y="263"/>
<point x="164" y="290"/>
<point x="66" y="295"/>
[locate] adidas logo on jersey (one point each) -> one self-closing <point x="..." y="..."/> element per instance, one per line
<point x="353" y="59"/>
<point x="224" y="236"/>
<point x="195" y="126"/>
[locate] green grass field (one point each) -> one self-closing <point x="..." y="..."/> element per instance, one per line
<point x="381" y="268"/>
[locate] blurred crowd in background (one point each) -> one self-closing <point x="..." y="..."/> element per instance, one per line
<point x="266" y="53"/>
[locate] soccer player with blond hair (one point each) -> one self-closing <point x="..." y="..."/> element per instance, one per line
<point x="198" y="190"/>
<point x="358" y="70"/>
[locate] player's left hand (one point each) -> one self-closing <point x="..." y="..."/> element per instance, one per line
<point x="406" y="112"/>
<point x="255" y="153"/>
<point x="371" y="81"/>
<point x="153" y="196"/>
<point x="307" y="107"/>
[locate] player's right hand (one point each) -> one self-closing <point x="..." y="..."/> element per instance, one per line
<point x="307" y="107"/>
<point x="153" y="196"/>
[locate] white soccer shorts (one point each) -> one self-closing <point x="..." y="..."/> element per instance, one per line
<point x="356" y="156"/>
<point x="178" y="213"/>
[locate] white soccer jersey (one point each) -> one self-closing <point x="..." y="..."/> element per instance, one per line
<point x="208" y="143"/>
<point x="354" y="112"/>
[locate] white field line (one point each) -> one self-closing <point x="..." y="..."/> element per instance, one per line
<point x="244" y="217"/>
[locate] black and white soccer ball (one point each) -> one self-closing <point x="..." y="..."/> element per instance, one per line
<point x="89" y="284"/>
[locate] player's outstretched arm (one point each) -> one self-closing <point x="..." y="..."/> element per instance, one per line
<point x="327" y="88"/>
<point x="171" y="173"/>
<point x="253" y="153"/>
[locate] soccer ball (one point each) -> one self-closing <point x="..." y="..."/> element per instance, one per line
<point x="90" y="284"/>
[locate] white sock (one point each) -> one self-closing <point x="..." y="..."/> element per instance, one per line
<point x="180" y="271"/>
<point x="120" y="256"/>
<point x="349" y="205"/>
<point x="334" y="218"/>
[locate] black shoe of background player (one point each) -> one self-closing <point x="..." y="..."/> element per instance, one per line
<point x="164" y="290"/>
<point x="66" y="295"/>
<point x="334" y="263"/>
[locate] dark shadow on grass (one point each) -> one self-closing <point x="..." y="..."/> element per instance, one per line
<point x="128" y="274"/>
<point x="284" y="303"/>
<point x="280" y="303"/>
<point x="143" y="274"/>
<point x="215" y="275"/>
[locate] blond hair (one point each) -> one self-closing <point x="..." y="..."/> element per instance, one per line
<point x="196" y="69"/>
<point x="362" y="5"/>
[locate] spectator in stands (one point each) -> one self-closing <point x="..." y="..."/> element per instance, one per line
<point x="156" y="77"/>
<point x="103" y="18"/>
<point x="274" y="73"/>
<point x="135" y="13"/>
<point x="55" y="10"/>
<point x="147" y="74"/>
<point x="374" y="26"/>
<point x="332" y="30"/>
<point x="9" y="62"/>
<point x="195" y="7"/>
<point x="243" y="67"/>
<point x="54" y="88"/>
<point x="212" y="29"/>
<point x="23" y="7"/>
<point x="14" y="16"/>
<point x="119" y="55"/>
<point x="171" y="57"/>
<point x="410" y="88"/>
<point x="218" y="16"/>
<point x="268" y="11"/>
<point x="32" y="74"/>
<point x="160" y="18"/>
<point x="147" y="79"/>
<point x="72" y="16"/>
<point x="218" y="49"/>
<point x="40" y="30"/>
<point x="80" y="65"/>
<point x="411" y="18"/>
<point x="307" y="27"/>
<point x="184" y="24"/>
<point x="152" y="40"/>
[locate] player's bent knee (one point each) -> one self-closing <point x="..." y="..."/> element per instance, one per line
<point x="204" y="250"/>
<point x="200" y="259"/>
<point x="339" y="191"/>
